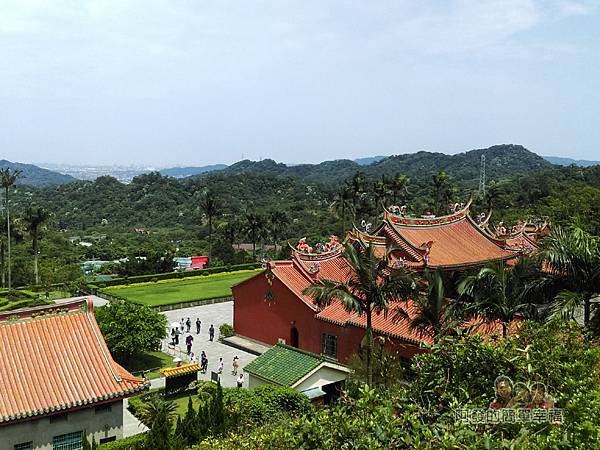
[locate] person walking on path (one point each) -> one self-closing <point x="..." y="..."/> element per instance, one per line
<point x="220" y="366"/>
<point x="198" y="325"/>
<point x="203" y="362"/>
<point x="182" y="324"/>
<point x="192" y="358"/>
<point x="211" y="332"/>
<point x="188" y="342"/>
<point x="176" y="338"/>
<point x="240" y="380"/>
<point x="235" y="364"/>
<point x="188" y="324"/>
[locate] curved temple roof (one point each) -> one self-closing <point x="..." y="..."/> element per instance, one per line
<point x="53" y="358"/>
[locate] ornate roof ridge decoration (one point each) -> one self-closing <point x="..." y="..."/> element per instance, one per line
<point x="483" y="219"/>
<point x="357" y="234"/>
<point x="304" y="252"/>
<point x="399" y="220"/>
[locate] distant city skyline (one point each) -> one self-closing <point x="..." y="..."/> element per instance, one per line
<point x="172" y="83"/>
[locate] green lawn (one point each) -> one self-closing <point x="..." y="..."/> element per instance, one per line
<point x="167" y="292"/>
<point x="150" y="361"/>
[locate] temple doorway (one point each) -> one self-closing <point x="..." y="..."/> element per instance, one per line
<point x="294" y="337"/>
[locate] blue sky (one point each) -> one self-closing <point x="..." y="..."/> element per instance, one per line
<point x="200" y="82"/>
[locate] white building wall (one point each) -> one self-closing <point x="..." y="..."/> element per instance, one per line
<point x="322" y="377"/>
<point x="98" y="425"/>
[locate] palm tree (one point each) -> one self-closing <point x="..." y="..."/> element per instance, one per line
<point x="210" y="206"/>
<point x="572" y="256"/>
<point x="158" y="415"/>
<point x="399" y="187"/>
<point x="8" y="178"/>
<point x="277" y="226"/>
<point x="381" y="191"/>
<point x="434" y="314"/>
<point x="442" y="190"/>
<point x="254" y="227"/>
<point x="357" y="189"/>
<point x="498" y="293"/>
<point x="342" y="203"/>
<point x="371" y="288"/>
<point x="34" y="217"/>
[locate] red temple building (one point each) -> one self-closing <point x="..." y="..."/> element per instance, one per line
<point x="271" y="306"/>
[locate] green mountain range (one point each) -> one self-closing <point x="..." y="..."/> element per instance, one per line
<point x="36" y="176"/>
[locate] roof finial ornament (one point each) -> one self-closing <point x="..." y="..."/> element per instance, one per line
<point x="366" y="226"/>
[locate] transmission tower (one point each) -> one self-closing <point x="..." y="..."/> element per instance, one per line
<point x="482" y="175"/>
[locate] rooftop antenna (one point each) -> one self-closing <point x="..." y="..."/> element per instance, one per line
<point x="482" y="175"/>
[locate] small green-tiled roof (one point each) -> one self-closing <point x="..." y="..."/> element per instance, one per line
<point x="283" y="365"/>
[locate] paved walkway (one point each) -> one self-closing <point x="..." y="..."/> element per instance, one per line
<point x="131" y="425"/>
<point x="215" y="314"/>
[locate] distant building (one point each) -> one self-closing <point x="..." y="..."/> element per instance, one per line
<point x="199" y="262"/>
<point x="58" y="382"/>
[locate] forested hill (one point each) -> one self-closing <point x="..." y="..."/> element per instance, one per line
<point x="36" y="176"/>
<point x="501" y="161"/>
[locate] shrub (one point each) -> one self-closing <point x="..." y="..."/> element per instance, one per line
<point x="131" y="443"/>
<point x="226" y="330"/>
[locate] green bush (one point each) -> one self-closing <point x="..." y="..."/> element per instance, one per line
<point x="131" y="443"/>
<point x="263" y="404"/>
<point x="458" y="372"/>
<point x="226" y="330"/>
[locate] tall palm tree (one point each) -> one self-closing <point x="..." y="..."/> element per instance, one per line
<point x="210" y="206"/>
<point x="497" y="293"/>
<point x="254" y="226"/>
<point x="342" y="204"/>
<point x="381" y="191"/>
<point x="399" y="187"/>
<point x="357" y="188"/>
<point x="371" y="288"/>
<point x="8" y="178"/>
<point x="434" y="313"/>
<point x="34" y="217"/>
<point x="442" y="190"/>
<point x="279" y="221"/>
<point x="572" y="256"/>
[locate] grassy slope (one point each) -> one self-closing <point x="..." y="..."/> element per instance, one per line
<point x="176" y="291"/>
<point x="150" y="360"/>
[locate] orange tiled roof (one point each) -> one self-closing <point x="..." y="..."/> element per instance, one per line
<point x="53" y="358"/>
<point x="181" y="370"/>
<point x="455" y="243"/>
<point x="386" y="324"/>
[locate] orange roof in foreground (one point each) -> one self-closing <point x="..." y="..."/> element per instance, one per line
<point x="53" y="358"/>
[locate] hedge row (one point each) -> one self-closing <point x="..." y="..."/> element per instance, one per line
<point x="173" y="275"/>
<point x="132" y="442"/>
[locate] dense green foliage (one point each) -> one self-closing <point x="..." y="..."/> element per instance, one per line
<point x="129" y="329"/>
<point x="458" y="372"/>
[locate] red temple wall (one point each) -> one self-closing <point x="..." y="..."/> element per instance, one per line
<point x="253" y="317"/>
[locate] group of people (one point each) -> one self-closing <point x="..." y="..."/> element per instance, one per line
<point x="185" y="326"/>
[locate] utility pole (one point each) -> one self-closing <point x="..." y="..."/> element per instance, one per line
<point x="482" y="175"/>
